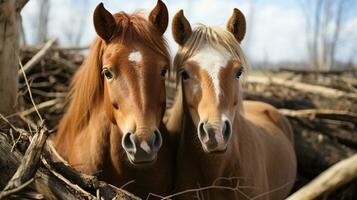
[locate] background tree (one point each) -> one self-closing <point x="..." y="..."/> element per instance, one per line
<point x="10" y="20"/>
<point x="43" y="18"/>
<point x="323" y="25"/>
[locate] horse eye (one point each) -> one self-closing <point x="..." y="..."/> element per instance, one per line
<point x="185" y="75"/>
<point x="164" y="72"/>
<point x="107" y="73"/>
<point x="239" y="73"/>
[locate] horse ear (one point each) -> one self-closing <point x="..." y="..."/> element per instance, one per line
<point x="104" y="22"/>
<point x="237" y="25"/>
<point x="181" y="28"/>
<point x="159" y="17"/>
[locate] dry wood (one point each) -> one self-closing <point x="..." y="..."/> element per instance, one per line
<point x="73" y="186"/>
<point x="107" y="191"/>
<point x="315" y="151"/>
<point x="16" y="190"/>
<point x="72" y="48"/>
<point x="29" y="163"/>
<point x="344" y="132"/>
<point x="39" y="107"/>
<point x="37" y="57"/>
<point x="339" y="174"/>
<point x="304" y="87"/>
<point x="321" y="113"/>
<point x="48" y="185"/>
<point x="52" y="187"/>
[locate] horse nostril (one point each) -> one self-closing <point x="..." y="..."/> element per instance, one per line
<point x="202" y="132"/>
<point x="129" y="142"/>
<point x="156" y="140"/>
<point x="227" y="130"/>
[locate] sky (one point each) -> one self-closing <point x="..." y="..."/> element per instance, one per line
<point x="275" y="28"/>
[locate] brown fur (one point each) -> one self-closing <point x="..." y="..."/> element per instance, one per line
<point x="90" y="134"/>
<point x="237" y="25"/>
<point x="259" y="156"/>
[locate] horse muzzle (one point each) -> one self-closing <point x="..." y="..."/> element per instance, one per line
<point x="142" y="151"/>
<point x="214" y="139"/>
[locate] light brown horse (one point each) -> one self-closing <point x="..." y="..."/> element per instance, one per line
<point x="226" y="141"/>
<point x="113" y="126"/>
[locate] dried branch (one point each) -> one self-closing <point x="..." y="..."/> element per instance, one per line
<point x="37" y="58"/>
<point x="321" y="113"/>
<point x="39" y="107"/>
<point x="15" y="190"/>
<point x="30" y="93"/>
<point x="339" y="174"/>
<point x="29" y="163"/>
<point x="304" y="87"/>
<point x="77" y="179"/>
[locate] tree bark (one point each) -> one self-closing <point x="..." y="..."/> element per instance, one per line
<point x="10" y="20"/>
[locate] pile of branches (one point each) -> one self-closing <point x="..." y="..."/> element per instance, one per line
<point x="321" y="107"/>
<point x="26" y="167"/>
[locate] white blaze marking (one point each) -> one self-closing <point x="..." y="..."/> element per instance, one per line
<point x="144" y="145"/>
<point x="135" y="56"/>
<point x="212" y="61"/>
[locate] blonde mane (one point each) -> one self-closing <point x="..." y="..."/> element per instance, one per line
<point x="217" y="38"/>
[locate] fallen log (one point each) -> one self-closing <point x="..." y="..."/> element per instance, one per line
<point x="321" y="113"/>
<point x="336" y="176"/>
<point x="304" y="87"/>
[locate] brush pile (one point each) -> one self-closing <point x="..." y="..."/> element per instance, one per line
<point x="322" y="109"/>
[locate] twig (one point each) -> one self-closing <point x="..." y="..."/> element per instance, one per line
<point x="69" y="183"/>
<point x="15" y="190"/>
<point x="85" y="181"/>
<point x="126" y="184"/>
<point x="339" y="174"/>
<point x="51" y="149"/>
<point x="72" y="48"/>
<point x="36" y="58"/>
<point x="8" y="122"/>
<point x="98" y="194"/>
<point x="28" y="121"/>
<point x="30" y="93"/>
<point x="199" y="189"/>
<point x="273" y="190"/>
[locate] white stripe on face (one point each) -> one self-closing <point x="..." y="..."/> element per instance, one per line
<point x="135" y="56"/>
<point x="212" y="61"/>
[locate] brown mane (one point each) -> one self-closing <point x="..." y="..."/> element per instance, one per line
<point x="87" y="86"/>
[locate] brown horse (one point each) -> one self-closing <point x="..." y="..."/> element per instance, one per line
<point x="245" y="149"/>
<point x="113" y="126"/>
